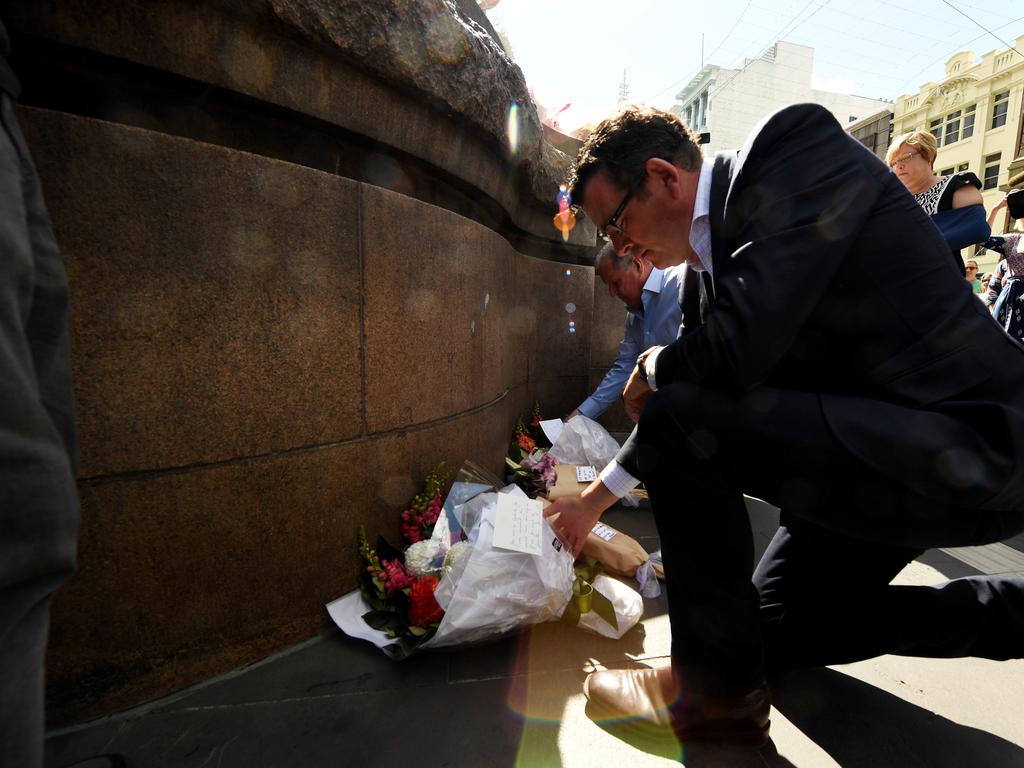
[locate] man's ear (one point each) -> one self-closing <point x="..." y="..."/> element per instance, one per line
<point x="663" y="174"/>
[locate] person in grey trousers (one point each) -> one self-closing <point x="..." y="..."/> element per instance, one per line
<point x="38" y="446"/>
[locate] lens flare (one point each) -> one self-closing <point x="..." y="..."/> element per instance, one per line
<point x="557" y="727"/>
<point x="513" y="128"/>
<point x="564" y="220"/>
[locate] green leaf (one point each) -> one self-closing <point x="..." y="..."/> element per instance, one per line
<point x="387" y="621"/>
<point x="603" y="607"/>
<point x="372" y="591"/>
<point x="416" y="631"/>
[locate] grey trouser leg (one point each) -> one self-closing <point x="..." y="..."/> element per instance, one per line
<point x="38" y="499"/>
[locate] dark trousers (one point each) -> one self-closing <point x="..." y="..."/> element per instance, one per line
<point x="38" y="499"/>
<point x="821" y="593"/>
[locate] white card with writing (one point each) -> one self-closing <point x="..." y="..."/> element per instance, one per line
<point x="519" y="524"/>
<point x="604" y="532"/>
<point x="585" y="474"/>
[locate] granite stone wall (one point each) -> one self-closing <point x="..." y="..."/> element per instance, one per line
<point x="285" y="311"/>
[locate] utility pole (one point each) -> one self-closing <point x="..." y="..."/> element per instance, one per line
<point x="623" y="89"/>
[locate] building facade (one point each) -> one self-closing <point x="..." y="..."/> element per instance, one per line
<point x="874" y="131"/>
<point x="975" y="114"/>
<point x="728" y="103"/>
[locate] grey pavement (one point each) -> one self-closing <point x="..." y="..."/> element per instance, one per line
<point x="518" y="702"/>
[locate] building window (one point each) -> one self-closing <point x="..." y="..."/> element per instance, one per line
<point x="968" y="129"/>
<point x="991" y="171"/>
<point x="962" y="167"/>
<point x="1000" y="104"/>
<point x="954" y="126"/>
<point x="946" y="172"/>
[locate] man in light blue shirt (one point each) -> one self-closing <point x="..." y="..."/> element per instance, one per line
<point x="653" y="299"/>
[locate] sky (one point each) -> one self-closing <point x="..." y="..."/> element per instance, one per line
<point x="576" y="51"/>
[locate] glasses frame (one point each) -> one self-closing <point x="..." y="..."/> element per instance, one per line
<point x="903" y="159"/>
<point x="612" y="228"/>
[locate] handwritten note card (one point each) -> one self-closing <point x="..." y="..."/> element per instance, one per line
<point x="519" y="524"/>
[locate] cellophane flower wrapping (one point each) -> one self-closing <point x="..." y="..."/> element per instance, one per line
<point x="585" y="442"/>
<point x="488" y="592"/>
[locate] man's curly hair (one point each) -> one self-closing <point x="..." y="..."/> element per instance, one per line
<point x="622" y="144"/>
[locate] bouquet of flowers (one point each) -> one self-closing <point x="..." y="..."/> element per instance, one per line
<point x="399" y="586"/>
<point x="529" y="463"/>
<point x="450" y="585"/>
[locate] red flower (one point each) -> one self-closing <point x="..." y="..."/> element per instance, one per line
<point x="526" y="443"/>
<point x="423" y="608"/>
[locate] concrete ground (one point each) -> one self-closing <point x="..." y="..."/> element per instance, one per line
<point x="517" y="702"/>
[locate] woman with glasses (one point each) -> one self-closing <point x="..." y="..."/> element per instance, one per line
<point x="954" y="202"/>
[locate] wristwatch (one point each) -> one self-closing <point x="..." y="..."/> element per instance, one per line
<point x="641" y="364"/>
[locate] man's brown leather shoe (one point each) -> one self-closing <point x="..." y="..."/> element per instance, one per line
<point x="648" y="695"/>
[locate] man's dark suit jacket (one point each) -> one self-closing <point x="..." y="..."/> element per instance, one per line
<point x="829" y="278"/>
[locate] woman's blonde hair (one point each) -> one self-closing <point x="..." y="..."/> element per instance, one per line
<point x="921" y="142"/>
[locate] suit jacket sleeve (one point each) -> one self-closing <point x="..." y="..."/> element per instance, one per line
<point x="797" y="202"/>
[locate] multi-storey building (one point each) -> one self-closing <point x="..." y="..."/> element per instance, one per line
<point x="728" y="103"/>
<point x="873" y="131"/>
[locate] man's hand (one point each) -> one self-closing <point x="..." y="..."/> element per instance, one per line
<point x="635" y="395"/>
<point x="576" y="518"/>
<point x="576" y="412"/>
<point x="577" y="515"/>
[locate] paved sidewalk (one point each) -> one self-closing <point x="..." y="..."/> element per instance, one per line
<point x="518" y="702"/>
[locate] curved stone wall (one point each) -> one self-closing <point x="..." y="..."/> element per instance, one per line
<point x="296" y="286"/>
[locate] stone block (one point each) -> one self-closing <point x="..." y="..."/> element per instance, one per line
<point x="215" y="295"/>
<point x="186" y="575"/>
<point x="555" y="295"/>
<point x="438" y="306"/>
<point x="608" y="328"/>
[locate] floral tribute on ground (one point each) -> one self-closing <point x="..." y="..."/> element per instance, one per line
<point x="452" y="583"/>
<point x="399" y="586"/>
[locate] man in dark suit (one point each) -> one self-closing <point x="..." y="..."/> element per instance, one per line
<point x="880" y="425"/>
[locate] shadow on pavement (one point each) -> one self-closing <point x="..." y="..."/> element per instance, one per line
<point x="861" y="725"/>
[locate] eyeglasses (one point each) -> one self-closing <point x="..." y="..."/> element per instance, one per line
<point x="612" y="228"/>
<point x="902" y="159"/>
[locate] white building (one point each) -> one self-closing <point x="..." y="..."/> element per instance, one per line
<point x="729" y="102"/>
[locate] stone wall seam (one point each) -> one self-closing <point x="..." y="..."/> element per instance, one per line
<point x="146" y="474"/>
<point x="361" y="261"/>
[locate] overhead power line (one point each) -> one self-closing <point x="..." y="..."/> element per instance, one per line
<point x="984" y="28"/>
